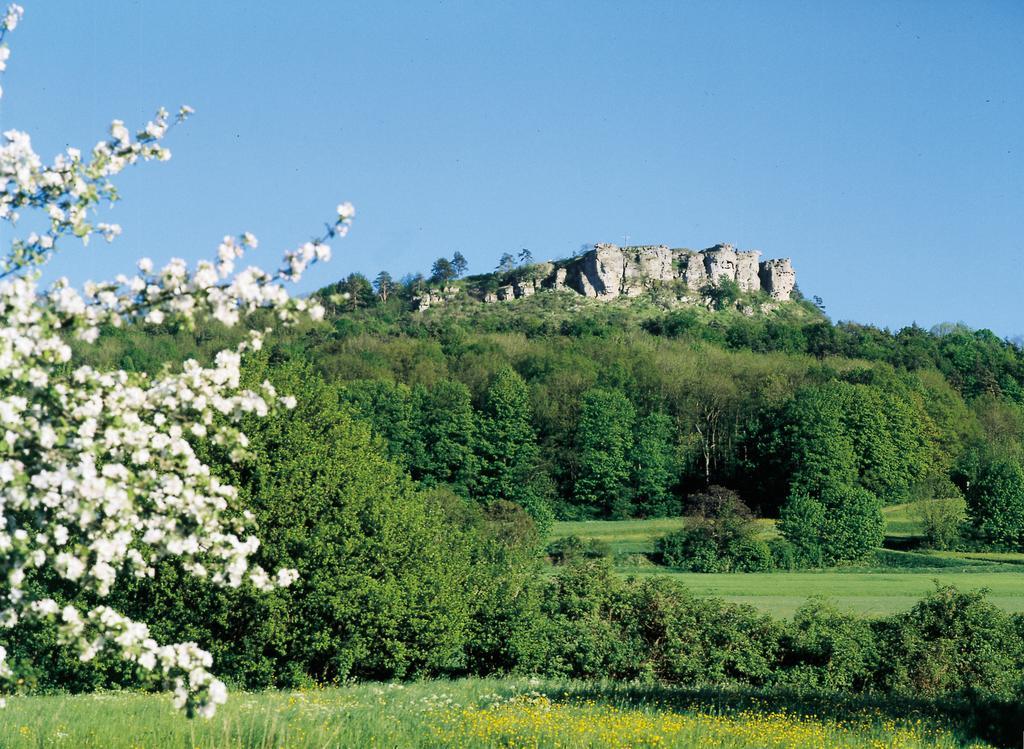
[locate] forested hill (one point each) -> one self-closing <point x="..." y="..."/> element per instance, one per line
<point x="579" y="408"/>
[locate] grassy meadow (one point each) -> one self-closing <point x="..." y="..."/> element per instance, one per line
<point x="473" y="713"/>
<point x="893" y="580"/>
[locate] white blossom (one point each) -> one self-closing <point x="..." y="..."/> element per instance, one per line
<point x="97" y="476"/>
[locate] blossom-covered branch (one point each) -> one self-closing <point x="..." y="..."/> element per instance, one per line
<point x="98" y="476"/>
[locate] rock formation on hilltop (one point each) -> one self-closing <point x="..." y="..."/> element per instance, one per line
<point x="609" y="271"/>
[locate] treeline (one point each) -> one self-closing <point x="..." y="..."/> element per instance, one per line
<point x="607" y="419"/>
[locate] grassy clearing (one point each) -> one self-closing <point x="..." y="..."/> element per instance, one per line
<point x="891" y="581"/>
<point x="474" y="713"/>
<point x="874" y="593"/>
<point x="633" y="536"/>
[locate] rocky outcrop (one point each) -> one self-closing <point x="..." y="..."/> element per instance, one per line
<point x="778" y="278"/>
<point x="609" y="271"/>
<point x="747" y="270"/>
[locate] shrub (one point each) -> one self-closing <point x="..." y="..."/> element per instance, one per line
<point x="692" y="549"/>
<point x="951" y="642"/>
<point x="720" y="536"/>
<point x="784" y="554"/>
<point x="751" y="555"/>
<point x="573" y="548"/>
<point x="941" y="521"/>
<point x="825" y="649"/>
<point x="834" y="524"/>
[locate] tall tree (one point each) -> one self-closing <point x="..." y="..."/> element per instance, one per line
<point x="604" y="438"/>
<point x="995" y="502"/>
<point x="525" y="257"/>
<point x="655" y="466"/>
<point x="509" y="457"/>
<point x="459" y="264"/>
<point x="442" y="271"/>
<point x="506" y="263"/>
<point x="387" y="405"/>
<point x="359" y="291"/>
<point x="444" y="437"/>
<point x="383" y="285"/>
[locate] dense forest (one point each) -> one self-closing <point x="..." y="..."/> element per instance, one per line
<point x="575" y="408"/>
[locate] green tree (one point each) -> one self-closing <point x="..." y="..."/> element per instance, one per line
<point x="506" y="263"/>
<point x="995" y="502"/>
<point x="387" y="406"/>
<point x="383" y="285"/>
<point x="834" y="524"/>
<point x="442" y="271"/>
<point x="604" y="439"/>
<point x="459" y="264"/>
<point x="359" y="291"/>
<point x="818" y="449"/>
<point x="509" y="457"/>
<point x="382" y="588"/>
<point x="722" y="294"/>
<point x="444" y="437"/>
<point x="655" y="466"/>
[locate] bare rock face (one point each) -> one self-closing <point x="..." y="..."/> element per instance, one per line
<point x="601" y="271"/>
<point x="556" y="281"/>
<point x="778" y="278"/>
<point x="524" y="288"/>
<point x="747" y="270"/>
<point x="693" y="270"/>
<point x="720" y="262"/>
<point x="609" y="271"/>
<point x="428" y="299"/>
<point x="645" y="266"/>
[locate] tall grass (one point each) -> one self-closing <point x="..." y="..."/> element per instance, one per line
<point x="468" y="713"/>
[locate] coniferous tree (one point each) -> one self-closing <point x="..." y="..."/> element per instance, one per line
<point x="383" y="285"/>
<point x="442" y="271"/>
<point x="506" y="263"/>
<point x="509" y="457"/>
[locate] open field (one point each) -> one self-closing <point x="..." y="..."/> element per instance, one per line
<point x="875" y="593"/>
<point x="475" y="713"/>
<point x="892" y="582"/>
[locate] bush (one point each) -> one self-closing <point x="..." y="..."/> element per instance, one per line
<point x="573" y="548"/>
<point x="832" y="525"/>
<point x="721" y="536"/>
<point x="825" y="649"/>
<point x="951" y="642"/>
<point x="751" y="555"/>
<point x="692" y="549"/>
<point x="784" y="554"/>
<point x="941" y="521"/>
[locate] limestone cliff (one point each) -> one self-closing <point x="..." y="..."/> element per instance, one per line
<point x="609" y="271"/>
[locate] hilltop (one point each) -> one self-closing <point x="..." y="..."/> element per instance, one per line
<point x="608" y="272"/>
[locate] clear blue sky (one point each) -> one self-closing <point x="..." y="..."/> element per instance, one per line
<point x="878" y="144"/>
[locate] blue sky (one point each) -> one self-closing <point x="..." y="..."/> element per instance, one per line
<point x="878" y="144"/>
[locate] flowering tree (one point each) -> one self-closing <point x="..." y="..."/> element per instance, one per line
<point x="98" y="478"/>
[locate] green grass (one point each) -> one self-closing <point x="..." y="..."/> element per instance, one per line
<point x="874" y="593"/>
<point x="475" y="713"/>
<point x="890" y="581"/>
<point x="632" y="536"/>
